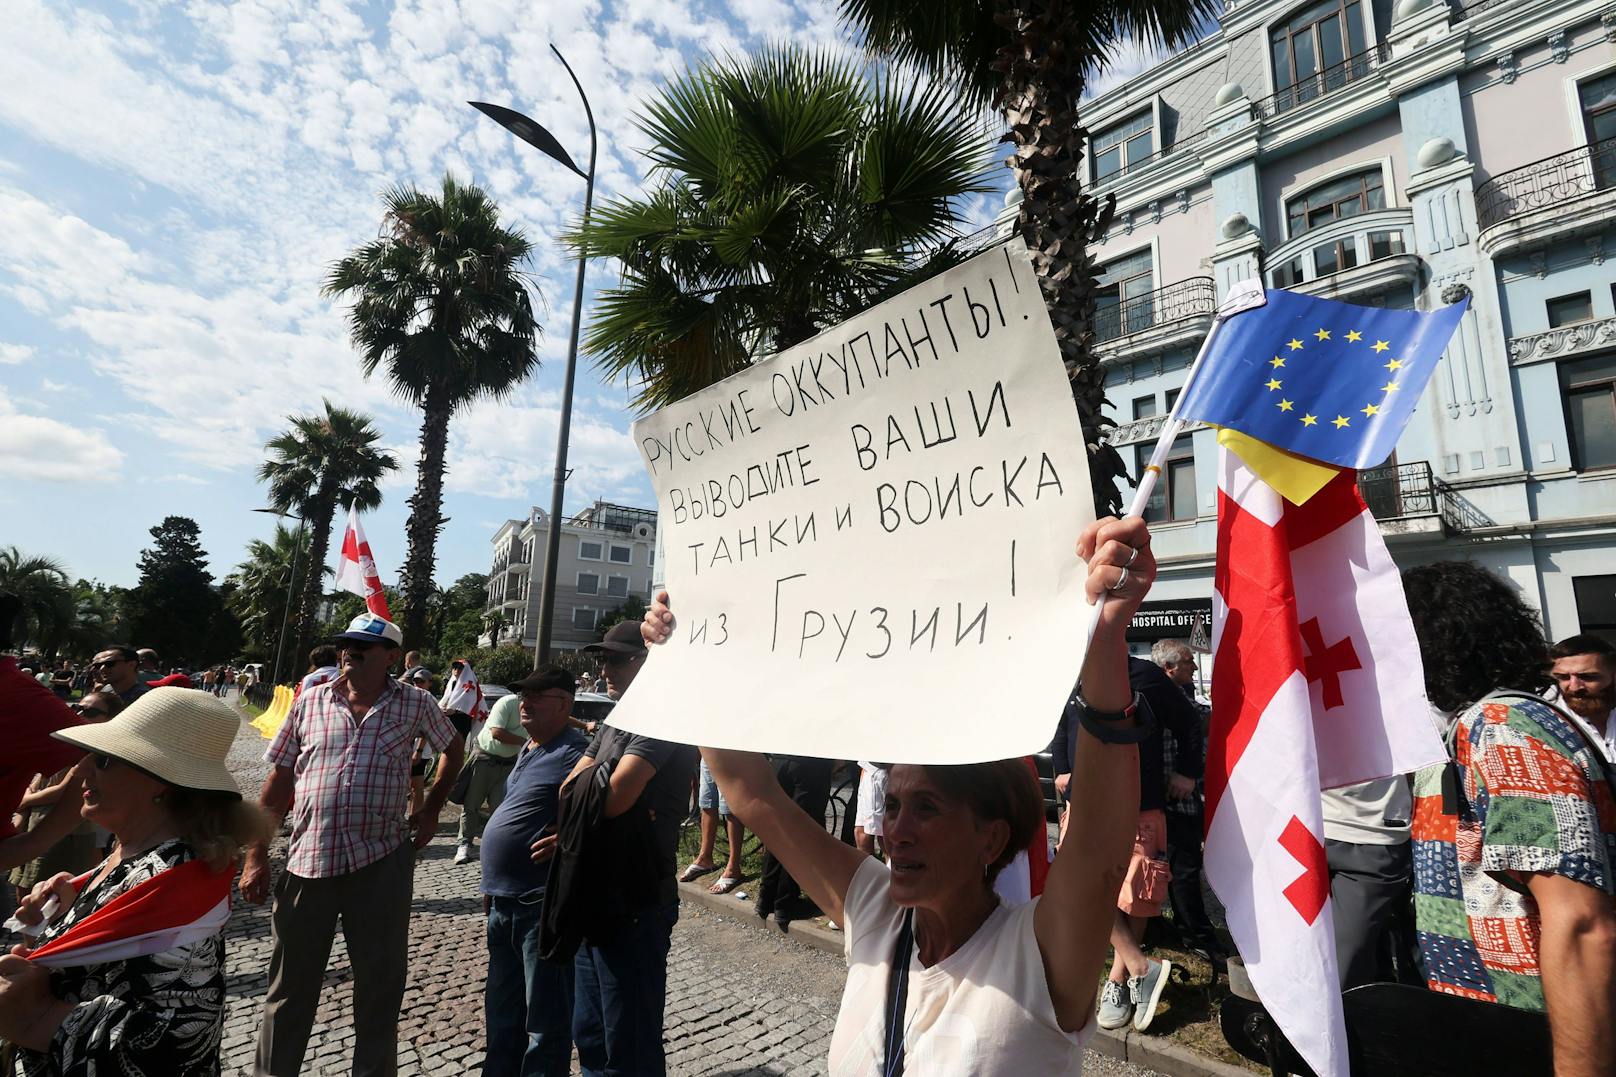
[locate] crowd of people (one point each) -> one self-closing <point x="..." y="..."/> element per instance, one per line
<point x="1489" y="876"/>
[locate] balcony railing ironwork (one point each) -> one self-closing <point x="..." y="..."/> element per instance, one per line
<point x="1312" y="87"/>
<point x="1186" y="299"/>
<point x="1400" y="491"/>
<point x="1552" y="181"/>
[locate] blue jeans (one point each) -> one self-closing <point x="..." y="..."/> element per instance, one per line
<point x="528" y="1002"/>
<point x="622" y="987"/>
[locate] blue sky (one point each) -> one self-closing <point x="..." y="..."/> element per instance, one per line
<point x="175" y="179"/>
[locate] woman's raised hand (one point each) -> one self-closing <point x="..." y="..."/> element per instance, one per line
<point x="657" y="625"/>
<point x="1121" y="565"/>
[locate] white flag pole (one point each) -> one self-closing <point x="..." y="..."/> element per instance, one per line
<point x="1247" y="295"/>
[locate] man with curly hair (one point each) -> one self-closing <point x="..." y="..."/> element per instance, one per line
<point x="1515" y="836"/>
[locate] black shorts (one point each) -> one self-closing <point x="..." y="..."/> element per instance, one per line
<point x="418" y="768"/>
<point x="461" y="722"/>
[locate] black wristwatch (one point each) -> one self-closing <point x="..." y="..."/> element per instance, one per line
<point x="1108" y="727"/>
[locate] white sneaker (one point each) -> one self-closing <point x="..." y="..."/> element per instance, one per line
<point x="463" y="853"/>
<point x="1115" y="1010"/>
<point x="1146" y="992"/>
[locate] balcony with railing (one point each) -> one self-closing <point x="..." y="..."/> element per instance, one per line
<point x="1407" y="499"/>
<point x="1565" y="193"/>
<point x="1156" y="320"/>
<point x="1320" y="84"/>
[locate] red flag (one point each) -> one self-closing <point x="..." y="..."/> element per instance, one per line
<point x="356" y="568"/>
<point x="183" y="904"/>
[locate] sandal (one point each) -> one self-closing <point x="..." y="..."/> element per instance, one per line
<point x="694" y="872"/>
<point x="724" y="885"/>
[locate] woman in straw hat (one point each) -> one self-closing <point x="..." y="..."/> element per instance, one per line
<point x="125" y="973"/>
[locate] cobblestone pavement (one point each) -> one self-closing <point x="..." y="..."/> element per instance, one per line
<point x="740" y="1001"/>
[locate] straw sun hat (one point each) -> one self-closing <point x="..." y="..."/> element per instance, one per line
<point x="180" y="735"/>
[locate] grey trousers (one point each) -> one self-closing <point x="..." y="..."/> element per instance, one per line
<point x="487" y="785"/>
<point x="373" y="904"/>
<point x="1372" y="893"/>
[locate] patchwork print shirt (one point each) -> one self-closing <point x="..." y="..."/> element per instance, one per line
<point x="1531" y="798"/>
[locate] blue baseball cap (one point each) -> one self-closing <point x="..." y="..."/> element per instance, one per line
<point x="369" y="628"/>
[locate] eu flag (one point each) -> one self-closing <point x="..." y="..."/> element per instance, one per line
<point x="1326" y="380"/>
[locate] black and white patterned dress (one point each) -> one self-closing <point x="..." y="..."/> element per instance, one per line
<point x="161" y="1014"/>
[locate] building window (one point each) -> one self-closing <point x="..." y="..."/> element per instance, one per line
<point x="588" y="583"/>
<point x="1599" y="121"/>
<point x="1384" y="245"/>
<point x="1334" y="257"/>
<point x="1569" y="309"/>
<point x="1596" y="605"/>
<point x="589" y="551"/>
<point x="1144" y="406"/>
<point x="1344" y="197"/>
<point x="583" y="619"/>
<point x="1288" y="274"/>
<point x="1123" y="146"/>
<point x="650" y="557"/>
<point x="1174" y="495"/>
<point x="1590" y="388"/>
<point x="1172" y="398"/>
<point x="617" y="586"/>
<point x="623" y="555"/>
<point x="1122" y="301"/>
<point x="1312" y="50"/>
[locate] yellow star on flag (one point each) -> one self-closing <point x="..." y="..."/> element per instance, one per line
<point x="1310" y="420"/>
<point x="1340" y="421"/>
<point x="1390" y="387"/>
<point x="1276" y="362"/>
<point x="1353" y="336"/>
<point x="1372" y="409"/>
<point x="1394" y="364"/>
<point x="1285" y="405"/>
<point x="1381" y="345"/>
<point x="1322" y="334"/>
<point x="1273" y="383"/>
<point x="1295" y="345"/>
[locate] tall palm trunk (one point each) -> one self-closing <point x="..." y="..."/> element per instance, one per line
<point x="1042" y="85"/>
<point x="426" y="515"/>
<point x="314" y="576"/>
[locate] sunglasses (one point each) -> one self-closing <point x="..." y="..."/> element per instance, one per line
<point x="103" y="663"/>
<point x="358" y="645"/>
<point x="618" y="659"/>
<point x="90" y="712"/>
<point x="104" y="762"/>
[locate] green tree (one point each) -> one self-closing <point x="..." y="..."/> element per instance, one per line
<point x="1031" y="60"/>
<point x="440" y="301"/>
<point x="98" y="618"/>
<point x="47" y="598"/>
<point x="174" y="606"/>
<point x="631" y="610"/>
<point x="261" y="585"/>
<point x="457" y="614"/>
<point x="499" y="665"/>
<point x="318" y="463"/>
<point x="791" y="191"/>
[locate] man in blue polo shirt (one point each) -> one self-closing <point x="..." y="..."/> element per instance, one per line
<point x="528" y="1002"/>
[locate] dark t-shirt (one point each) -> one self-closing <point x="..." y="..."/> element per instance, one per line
<point x="667" y="795"/>
<point x="531" y="792"/>
<point x="29" y="714"/>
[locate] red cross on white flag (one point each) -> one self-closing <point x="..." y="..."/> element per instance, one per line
<point x="356" y="568"/>
<point x="1316" y="683"/>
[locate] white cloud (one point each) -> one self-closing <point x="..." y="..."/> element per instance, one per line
<point x="34" y="447"/>
<point x="12" y="354"/>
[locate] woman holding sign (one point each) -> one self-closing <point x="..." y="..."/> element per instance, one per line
<point x="942" y="978"/>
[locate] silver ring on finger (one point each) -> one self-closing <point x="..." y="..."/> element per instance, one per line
<point x="1133" y="552"/>
<point x="1122" y="580"/>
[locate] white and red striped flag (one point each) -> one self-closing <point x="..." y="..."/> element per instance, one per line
<point x="356" y="568"/>
<point x="1316" y="683"/>
<point x="183" y="904"/>
<point x="464" y="693"/>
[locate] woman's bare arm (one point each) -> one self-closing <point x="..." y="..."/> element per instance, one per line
<point x="819" y="863"/>
<point x="1074" y="917"/>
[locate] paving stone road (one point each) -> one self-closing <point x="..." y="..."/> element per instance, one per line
<point x="740" y="1001"/>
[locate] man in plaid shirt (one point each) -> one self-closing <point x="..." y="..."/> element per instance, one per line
<point x="343" y="757"/>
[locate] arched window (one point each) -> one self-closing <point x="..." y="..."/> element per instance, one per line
<point x="1342" y="197"/>
<point x="1311" y="49"/>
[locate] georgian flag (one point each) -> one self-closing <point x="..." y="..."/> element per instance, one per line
<point x="1023" y="878"/>
<point x="184" y="904"/>
<point x="1316" y="683"/>
<point x="356" y="568"/>
<point x="464" y="694"/>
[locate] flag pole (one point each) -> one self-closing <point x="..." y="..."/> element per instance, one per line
<point x="1247" y="295"/>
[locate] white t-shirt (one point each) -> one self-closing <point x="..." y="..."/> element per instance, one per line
<point x="983" y="1010"/>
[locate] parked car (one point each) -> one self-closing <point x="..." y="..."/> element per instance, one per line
<point x="493" y="692"/>
<point x="592" y="706"/>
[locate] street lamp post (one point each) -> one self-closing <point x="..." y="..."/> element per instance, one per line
<point x="536" y="136"/>
<point x="291" y="590"/>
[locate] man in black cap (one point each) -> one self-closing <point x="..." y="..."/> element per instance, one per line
<point x="621" y="984"/>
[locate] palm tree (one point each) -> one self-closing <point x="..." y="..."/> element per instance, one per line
<point x="42" y="585"/>
<point x="260" y="587"/>
<point x="792" y="193"/>
<point x="319" y="462"/>
<point x="441" y="301"/>
<point x="1030" y="59"/>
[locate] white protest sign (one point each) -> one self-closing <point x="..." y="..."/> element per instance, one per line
<point x="869" y="537"/>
